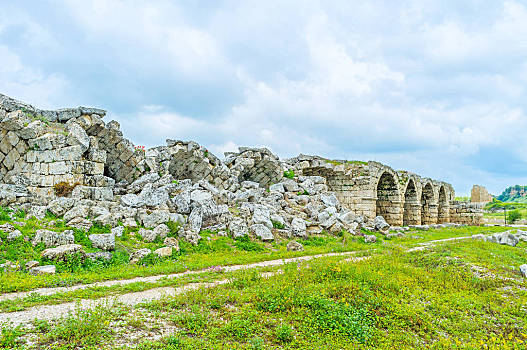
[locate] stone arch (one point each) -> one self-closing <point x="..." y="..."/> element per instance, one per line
<point x="443" y="210"/>
<point x="427" y="203"/>
<point x="388" y="203"/>
<point x="411" y="206"/>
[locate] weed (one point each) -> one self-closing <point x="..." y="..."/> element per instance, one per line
<point x="245" y="243"/>
<point x="284" y="333"/>
<point x="10" y="337"/>
<point x="278" y="225"/>
<point x="290" y="174"/>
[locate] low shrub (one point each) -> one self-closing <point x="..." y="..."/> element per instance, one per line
<point x="64" y="189"/>
<point x="514" y="216"/>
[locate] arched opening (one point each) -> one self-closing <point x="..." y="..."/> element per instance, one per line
<point x="388" y="203"/>
<point x="411" y="214"/>
<point x="426" y="202"/>
<point x="443" y="214"/>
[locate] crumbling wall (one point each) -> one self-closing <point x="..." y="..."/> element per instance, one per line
<point x="255" y="164"/>
<point x="349" y="180"/>
<point x="123" y="160"/>
<point x="41" y="149"/>
<point x="466" y="213"/>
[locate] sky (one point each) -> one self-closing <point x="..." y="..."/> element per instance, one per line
<point x="434" y="87"/>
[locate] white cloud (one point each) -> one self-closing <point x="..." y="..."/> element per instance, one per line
<point x="422" y="85"/>
<point x="27" y="83"/>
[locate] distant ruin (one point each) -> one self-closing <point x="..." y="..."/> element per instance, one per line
<point x="479" y="194"/>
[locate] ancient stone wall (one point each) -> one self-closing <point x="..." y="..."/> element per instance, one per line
<point x="41" y="148"/>
<point x="371" y="189"/>
<point x="255" y="164"/>
<point x="466" y="213"/>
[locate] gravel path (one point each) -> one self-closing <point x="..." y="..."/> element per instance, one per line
<point x="48" y="312"/>
<point x="153" y="279"/>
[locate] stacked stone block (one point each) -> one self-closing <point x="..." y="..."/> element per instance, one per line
<point x="466" y="213"/>
<point x="42" y="152"/>
<point x="412" y="205"/>
<point x="255" y="164"/>
<point x="123" y="160"/>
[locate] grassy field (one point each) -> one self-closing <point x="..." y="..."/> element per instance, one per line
<point x="462" y="295"/>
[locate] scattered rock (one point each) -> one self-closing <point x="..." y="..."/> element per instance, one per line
<point x="172" y="242"/>
<point x="148" y="235"/>
<point x="523" y="270"/>
<point x="118" y="231"/>
<point x="61" y="253"/>
<point x="294" y="246"/>
<point x="99" y="256"/>
<point x="7" y="228"/>
<point x="14" y="235"/>
<point x="163" y="252"/>
<point x="80" y="224"/>
<point x="53" y="239"/>
<point x="238" y="228"/>
<point x="104" y="241"/>
<point x="370" y="239"/>
<point x="139" y="254"/>
<point x="505" y="238"/>
<point x="380" y="224"/>
<point x="161" y="231"/>
<point x="31" y="264"/>
<point x="298" y="227"/>
<point x="156" y="218"/>
<point x="262" y="231"/>
<point x="43" y="270"/>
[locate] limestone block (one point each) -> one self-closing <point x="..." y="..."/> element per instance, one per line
<point x="70" y="153"/>
<point x="12" y="138"/>
<point x="11" y="158"/>
<point x="5" y="145"/>
<point x="77" y="137"/>
<point x="97" y="156"/>
<point x="66" y="114"/>
<point x="15" y="121"/>
<point x="58" y="168"/>
<point x="33" y="130"/>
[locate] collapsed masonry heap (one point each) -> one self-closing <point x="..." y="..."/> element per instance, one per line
<point x="42" y="151"/>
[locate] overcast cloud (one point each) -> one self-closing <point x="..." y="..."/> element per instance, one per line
<point x="434" y="87"/>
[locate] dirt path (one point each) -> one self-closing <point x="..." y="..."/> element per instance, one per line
<point x="153" y="279"/>
<point x="48" y="312"/>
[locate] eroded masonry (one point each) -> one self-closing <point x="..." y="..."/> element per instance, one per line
<point x="40" y="149"/>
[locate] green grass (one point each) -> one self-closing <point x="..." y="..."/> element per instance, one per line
<point x="213" y="250"/>
<point x="35" y="299"/>
<point x="432" y="299"/>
